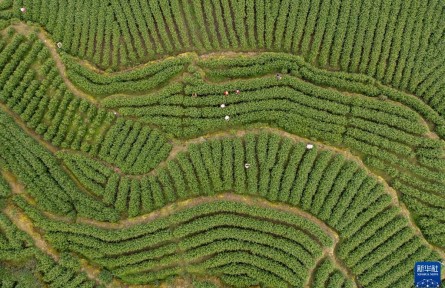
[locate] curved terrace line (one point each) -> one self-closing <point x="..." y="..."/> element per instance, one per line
<point x="57" y="58"/>
<point x="423" y="111"/>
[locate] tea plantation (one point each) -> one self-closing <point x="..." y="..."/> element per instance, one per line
<point x="221" y="143"/>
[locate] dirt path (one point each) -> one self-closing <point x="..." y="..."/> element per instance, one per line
<point x="189" y="203"/>
<point x="24" y="223"/>
<point x="16" y="186"/>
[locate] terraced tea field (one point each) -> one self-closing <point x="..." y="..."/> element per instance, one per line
<point x="221" y="143"/>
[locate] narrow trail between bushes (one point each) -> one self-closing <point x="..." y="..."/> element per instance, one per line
<point x="25" y="224"/>
<point x="52" y="47"/>
<point x="172" y="208"/>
